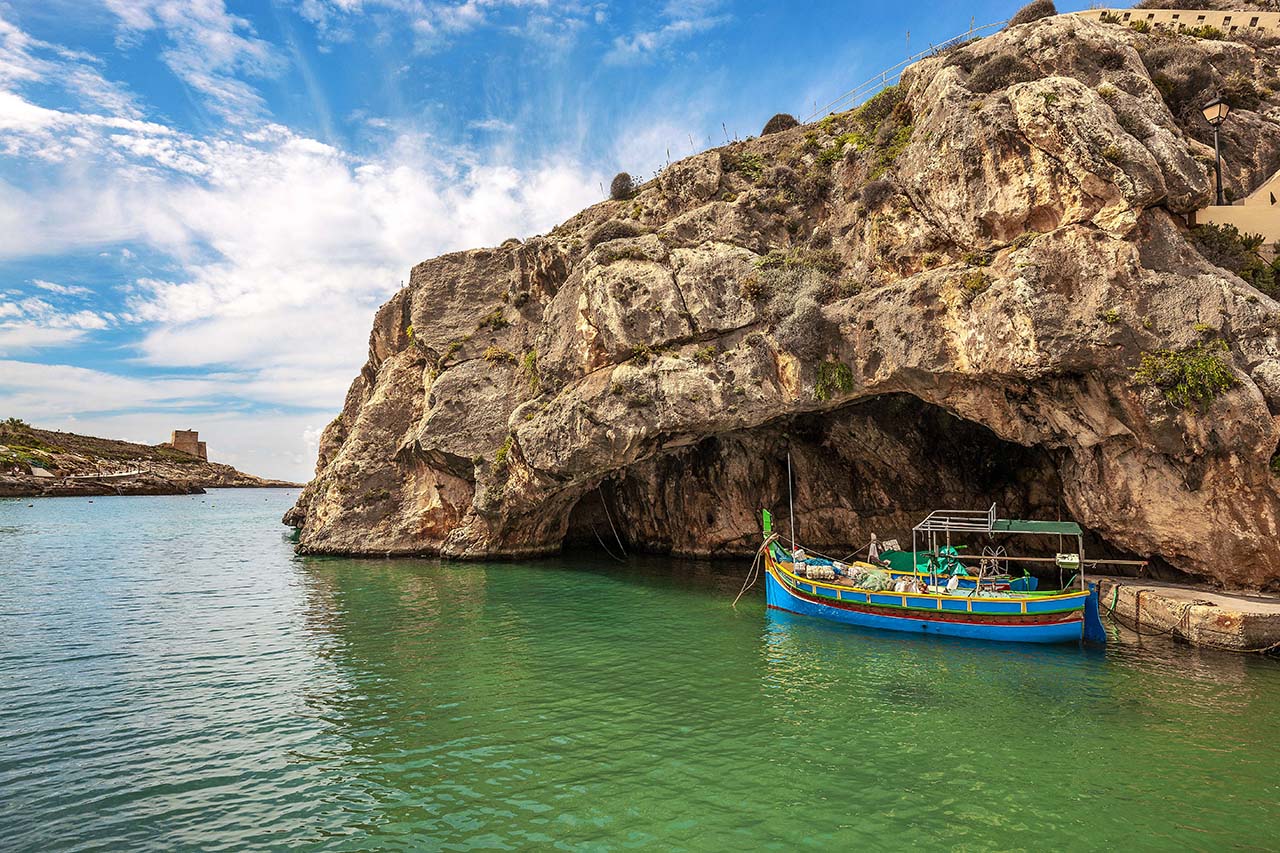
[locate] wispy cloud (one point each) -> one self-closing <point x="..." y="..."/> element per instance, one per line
<point x="33" y="323"/>
<point x="62" y="289"/>
<point x="207" y="48"/>
<point x="681" y="20"/>
<point x="25" y="60"/>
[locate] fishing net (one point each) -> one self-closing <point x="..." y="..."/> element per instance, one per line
<point x="875" y="581"/>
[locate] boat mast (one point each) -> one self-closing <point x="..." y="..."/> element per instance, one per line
<point x="791" y="506"/>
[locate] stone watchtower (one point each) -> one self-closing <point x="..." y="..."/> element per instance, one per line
<point x="188" y="441"/>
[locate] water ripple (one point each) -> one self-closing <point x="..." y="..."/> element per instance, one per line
<point x="173" y="677"/>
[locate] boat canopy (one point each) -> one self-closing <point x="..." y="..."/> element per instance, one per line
<point x="1016" y="525"/>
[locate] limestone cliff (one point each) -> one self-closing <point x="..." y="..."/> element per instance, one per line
<point x="978" y="287"/>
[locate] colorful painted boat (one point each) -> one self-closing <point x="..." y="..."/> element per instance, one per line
<point x="923" y="608"/>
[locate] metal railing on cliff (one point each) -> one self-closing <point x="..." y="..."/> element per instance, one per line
<point x="864" y="91"/>
<point x="890" y="76"/>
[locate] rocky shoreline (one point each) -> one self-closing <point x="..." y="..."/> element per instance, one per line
<point x="47" y="463"/>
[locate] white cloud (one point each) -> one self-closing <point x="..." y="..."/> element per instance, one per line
<point x="61" y="289"/>
<point x="434" y="23"/>
<point x="495" y="125"/>
<point x="207" y="47"/>
<point x="32" y="323"/>
<point x="25" y="60"/>
<point x="268" y="252"/>
<point x="682" y="20"/>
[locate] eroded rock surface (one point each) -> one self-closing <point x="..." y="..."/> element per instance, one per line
<point x="999" y="248"/>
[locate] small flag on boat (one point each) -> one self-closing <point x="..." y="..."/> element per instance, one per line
<point x="768" y="521"/>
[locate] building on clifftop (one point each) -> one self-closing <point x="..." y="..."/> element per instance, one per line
<point x="188" y="441"/>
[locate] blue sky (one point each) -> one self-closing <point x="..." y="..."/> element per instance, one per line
<point x="202" y="202"/>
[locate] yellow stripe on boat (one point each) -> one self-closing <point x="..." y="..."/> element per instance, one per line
<point x="782" y="567"/>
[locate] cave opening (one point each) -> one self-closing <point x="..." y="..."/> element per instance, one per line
<point x="876" y="466"/>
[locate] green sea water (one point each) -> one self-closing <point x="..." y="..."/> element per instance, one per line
<point x="172" y="677"/>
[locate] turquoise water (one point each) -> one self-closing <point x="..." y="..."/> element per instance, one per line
<point x="173" y="677"/>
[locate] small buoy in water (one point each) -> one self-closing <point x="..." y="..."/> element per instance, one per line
<point x="30" y="505"/>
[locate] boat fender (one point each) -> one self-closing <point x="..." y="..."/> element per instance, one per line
<point x="1093" y="630"/>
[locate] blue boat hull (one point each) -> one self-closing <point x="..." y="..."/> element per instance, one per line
<point x="782" y="597"/>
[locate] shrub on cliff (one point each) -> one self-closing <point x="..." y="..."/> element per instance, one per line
<point x="999" y="71"/>
<point x="1187" y="377"/>
<point x="1182" y="75"/>
<point x="1240" y="91"/>
<point x="875" y="193"/>
<point x="804" y="331"/>
<point x="614" y="229"/>
<point x="834" y="377"/>
<point x="1033" y="11"/>
<point x="622" y="187"/>
<point x="1224" y="246"/>
<point x="779" y="123"/>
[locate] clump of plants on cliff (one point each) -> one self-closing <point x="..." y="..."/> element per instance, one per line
<point x="497" y="355"/>
<point x="779" y="123"/>
<point x="502" y="458"/>
<point x="1188" y="377"/>
<point x="1224" y="246"/>
<point x="613" y="229"/>
<point x="1033" y="11"/>
<point x="494" y="321"/>
<point x="1181" y="74"/>
<point x="974" y="283"/>
<point x="622" y="187"/>
<point x="750" y="165"/>
<point x="529" y="371"/>
<point x="834" y="377"/>
<point x="875" y="193"/>
<point x="880" y="129"/>
<point x="787" y="274"/>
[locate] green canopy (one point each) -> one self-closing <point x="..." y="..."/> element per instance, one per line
<point x="1052" y="528"/>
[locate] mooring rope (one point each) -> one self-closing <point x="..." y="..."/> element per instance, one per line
<point x="605" y="504"/>
<point x="753" y="574"/>
<point x="604" y="546"/>
<point x="1183" y="623"/>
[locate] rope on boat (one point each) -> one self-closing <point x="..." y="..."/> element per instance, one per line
<point x="753" y="574"/>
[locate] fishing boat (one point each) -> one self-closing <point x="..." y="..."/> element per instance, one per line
<point x="921" y="599"/>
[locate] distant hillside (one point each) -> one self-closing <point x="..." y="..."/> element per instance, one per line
<point x="49" y="463"/>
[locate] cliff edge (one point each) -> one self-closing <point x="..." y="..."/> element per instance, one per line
<point x="979" y="286"/>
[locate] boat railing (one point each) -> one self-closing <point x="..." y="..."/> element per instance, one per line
<point x="958" y="521"/>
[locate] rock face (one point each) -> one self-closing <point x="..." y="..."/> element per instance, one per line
<point x="944" y="298"/>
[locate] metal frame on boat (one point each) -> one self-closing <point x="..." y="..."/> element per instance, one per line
<point x="948" y="521"/>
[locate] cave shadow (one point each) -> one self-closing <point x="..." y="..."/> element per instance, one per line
<point x="875" y="466"/>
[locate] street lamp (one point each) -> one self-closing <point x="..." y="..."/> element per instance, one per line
<point x="1215" y="112"/>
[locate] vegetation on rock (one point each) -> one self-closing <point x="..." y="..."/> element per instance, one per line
<point x="1188" y="377"/>
<point x="834" y="378"/>
<point x="622" y="187"/>
<point x="529" y="371"/>
<point x="1033" y="11"/>
<point x="1226" y="247"/>
<point x="779" y="123"/>
<point x="613" y="229"/>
